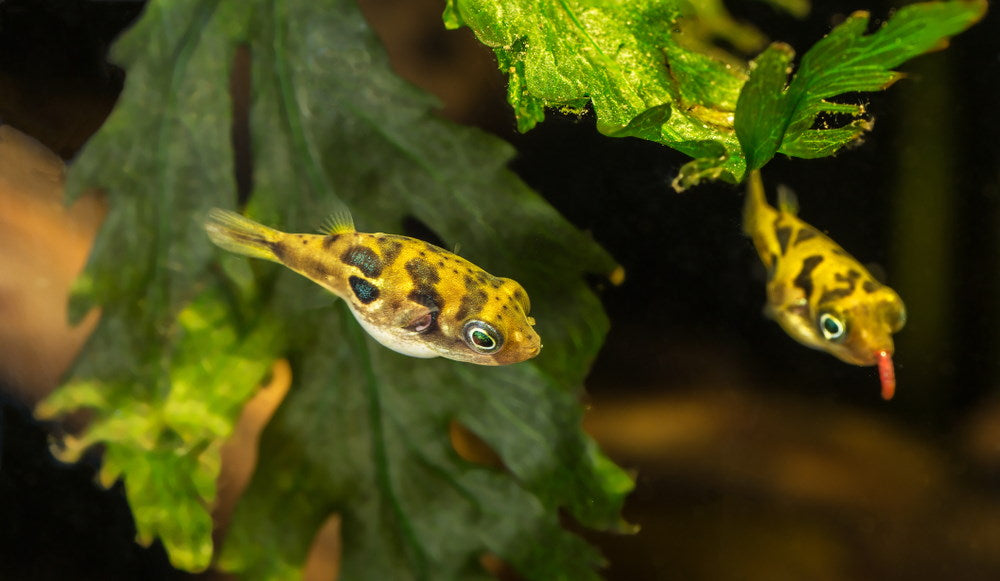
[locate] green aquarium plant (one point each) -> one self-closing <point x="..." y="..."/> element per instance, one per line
<point x="188" y="332"/>
<point x="637" y="65"/>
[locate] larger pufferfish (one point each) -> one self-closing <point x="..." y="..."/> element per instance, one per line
<point x="409" y="295"/>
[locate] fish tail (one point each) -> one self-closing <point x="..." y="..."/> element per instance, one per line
<point x="755" y="201"/>
<point x="237" y="233"/>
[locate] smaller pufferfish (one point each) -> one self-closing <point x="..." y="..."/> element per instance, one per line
<point x="819" y="294"/>
<point x="409" y="295"/>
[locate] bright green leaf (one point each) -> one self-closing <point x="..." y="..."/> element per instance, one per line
<point x="626" y="58"/>
<point x="649" y="71"/>
<point x="772" y="118"/>
<point x="166" y="444"/>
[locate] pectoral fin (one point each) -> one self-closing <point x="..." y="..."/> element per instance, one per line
<point x="416" y="317"/>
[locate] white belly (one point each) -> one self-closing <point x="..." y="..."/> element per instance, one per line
<point x="386" y="337"/>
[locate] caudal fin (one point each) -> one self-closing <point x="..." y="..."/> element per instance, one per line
<point x="237" y="233"/>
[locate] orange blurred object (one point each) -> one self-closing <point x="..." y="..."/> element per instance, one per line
<point x="44" y="246"/>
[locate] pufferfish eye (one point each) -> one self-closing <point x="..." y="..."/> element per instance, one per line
<point x="482" y="337"/>
<point x="832" y="327"/>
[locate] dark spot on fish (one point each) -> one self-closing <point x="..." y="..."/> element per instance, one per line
<point x="499" y="317"/>
<point x="279" y="250"/>
<point x="364" y="259"/>
<point x="804" y="279"/>
<point x="440" y="264"/>
<point x="455" y="270"/>
<point x="426" y="297"/>
<point x="422" y="253"/>
<point x="784" y="234"/>
<point x="299" y="262"/>
<point x="505" y="307"/>
<point x="869" y="286"/>
<point x="839" y="252"/>
<point x="484" y="278"/>
<point x="329" y="240"/>
<point x="804" y="234"/>
<point x="312" y="268"/>
<point x="429" y="298"/>
<point x="472" y="303"/>
<point x="364" y="290"/>
<point x="424" y="278"/>
<point x="389" y="248"/>
<point x="470" y="284"/>
<point x="833" y="294"/>
<point x="422" y="273"/>
<point x="771" y="266"/>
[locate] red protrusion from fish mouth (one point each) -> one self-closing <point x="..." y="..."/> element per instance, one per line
<point x="886" y="374"/>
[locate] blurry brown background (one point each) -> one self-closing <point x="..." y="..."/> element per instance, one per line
<point x="756" y="458"/>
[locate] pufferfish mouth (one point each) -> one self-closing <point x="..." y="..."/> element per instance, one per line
<point x="861" y="358"/>
<point x="865" y="356"/>
<point x="519" y="348"/>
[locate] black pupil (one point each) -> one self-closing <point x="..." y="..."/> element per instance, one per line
<point x="831" y="325"/>
<point x="481" y="339"/>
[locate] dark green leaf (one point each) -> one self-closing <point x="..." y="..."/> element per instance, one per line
<point x="364" y="432"/>
<point x="764" y="94"/>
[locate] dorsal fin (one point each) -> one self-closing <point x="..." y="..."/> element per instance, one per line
<point x="338" y="222"/>
<point x="787" y="201"/>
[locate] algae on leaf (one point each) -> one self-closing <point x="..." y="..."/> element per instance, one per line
<point x="624" y="58"/>
<point x="187" y="332"/>
<point x="644" y="74"/>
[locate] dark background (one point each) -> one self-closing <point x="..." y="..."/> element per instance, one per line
<point x="797" y="469"/>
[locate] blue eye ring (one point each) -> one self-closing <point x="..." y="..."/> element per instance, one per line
<point x="482" y="337"/>
<point x="832" y="327"/>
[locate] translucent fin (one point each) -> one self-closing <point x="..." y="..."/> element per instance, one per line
<point x="787" y="200"/>
<point x="877" y="271"/>
<point x="237" y="233"/>
<point x="338" y="222"/>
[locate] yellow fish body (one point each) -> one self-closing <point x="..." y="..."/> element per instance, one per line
<point x="411" y="296"/>
<point x="817" y="292"/>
